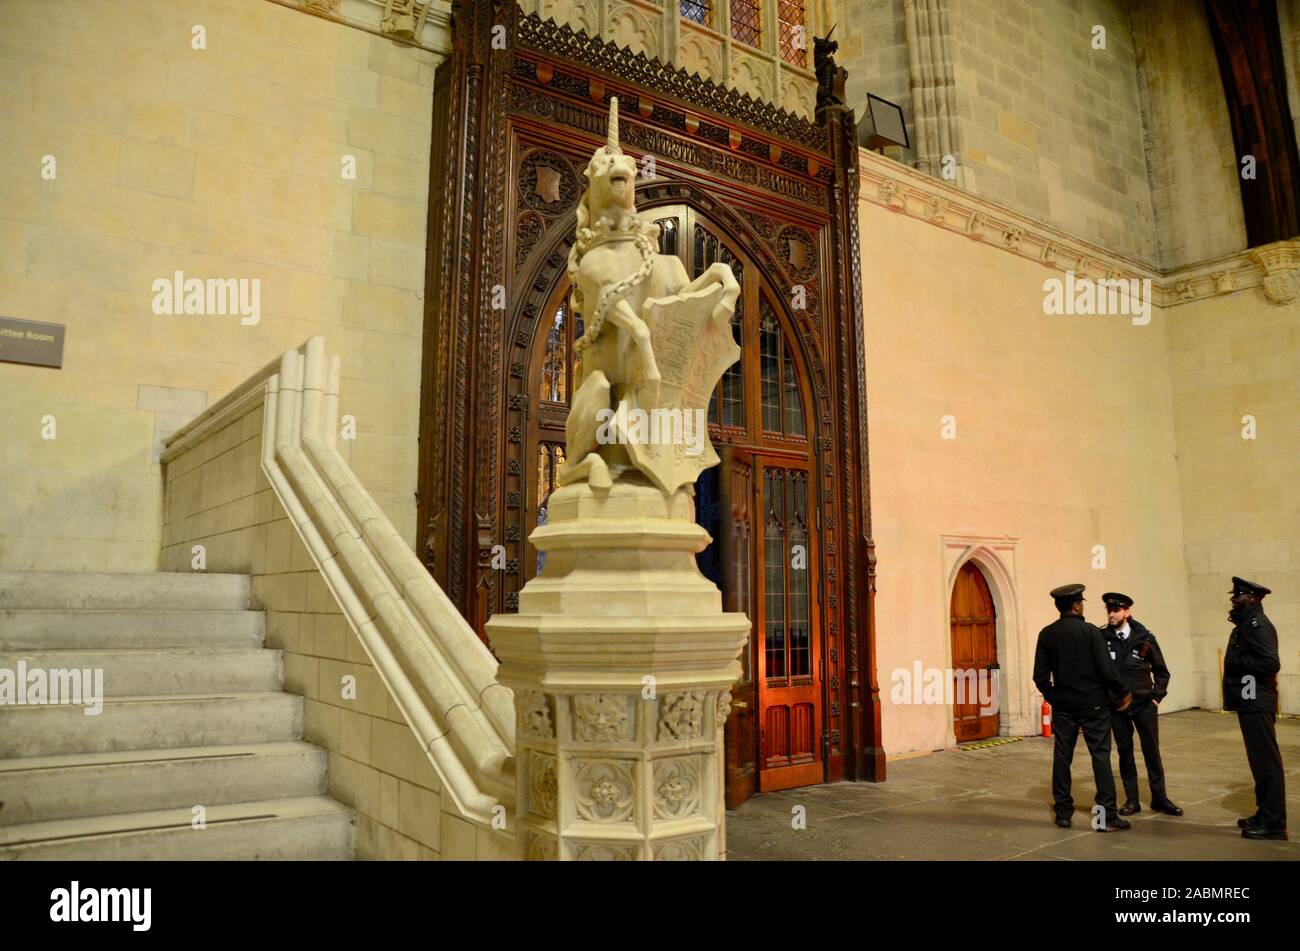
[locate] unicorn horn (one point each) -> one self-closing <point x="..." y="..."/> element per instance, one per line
<point x="611" y="142"/>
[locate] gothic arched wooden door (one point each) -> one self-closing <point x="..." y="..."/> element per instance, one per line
<point x="757" y="505"/>
<point x="974" y="657"/>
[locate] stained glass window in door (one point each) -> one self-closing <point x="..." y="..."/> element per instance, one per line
<point x="790" y="397"/>
<point x="796" y="517"/>
<point x="550" y="456"/>
<point x="782" y="403"/>
<point x="667" y="235"/>
<point x="728" y="405"/>
<point x="555" y="362"/>
<point x="787" y="566"/>
<point x="769" y="362"/>
<point x="774" y="559"/>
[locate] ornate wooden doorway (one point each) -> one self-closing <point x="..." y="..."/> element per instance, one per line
<point x="773" y="194"/>
<point x="974" y="656"/>
<point x="757" y="506"/>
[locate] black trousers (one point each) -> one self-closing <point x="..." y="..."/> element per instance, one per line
<point x="1095" y="722"/>
<point x="1259" y="733"/>
<point x="1143" y="717"/>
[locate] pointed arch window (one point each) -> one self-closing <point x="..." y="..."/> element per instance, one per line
<point x="781" y="402"/>
<point x="728" y="406"/>
<point x="550" y="456"/>
<point x="555" y="364"/>
<point x="557" y="371"/>
<point x="667" y="235"/>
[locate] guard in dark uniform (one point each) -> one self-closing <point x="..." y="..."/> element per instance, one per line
<point x="1141" y="666"/>
<point x="1250" y="669"/>
<point x="1075" y="675"/>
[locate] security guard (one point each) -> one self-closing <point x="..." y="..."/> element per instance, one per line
<point x="1141" y="666"/>
<point x="1075" y="675"/>
<point x="1250" y="669"/>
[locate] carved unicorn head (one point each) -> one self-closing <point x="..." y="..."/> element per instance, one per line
<point x="610" y="196"/>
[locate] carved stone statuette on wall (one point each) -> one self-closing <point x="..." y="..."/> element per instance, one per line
<point x="1281" y="264"/>
<point x="399" y="19"/>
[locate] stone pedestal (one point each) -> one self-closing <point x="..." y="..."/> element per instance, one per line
<point x="621" y="660"/>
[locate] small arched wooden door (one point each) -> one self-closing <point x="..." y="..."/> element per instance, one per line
<point x="757" y="505"/>
<point x="974" y="657"/>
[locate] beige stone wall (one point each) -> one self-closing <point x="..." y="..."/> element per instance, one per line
<point x="220" y="163"/>
<point x="1129" y="147"/>
<point x="1231" y="357"/>
<point x="873" y="48"/>
<point x="1040" y="122"/>
<point x="1050" y="126"/>
<point x="1194" y="184"/>
<point x="1065" y="440"/>
<point x="217" y="496"/>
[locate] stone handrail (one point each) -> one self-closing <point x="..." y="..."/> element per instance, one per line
<point x="438" y="672"/>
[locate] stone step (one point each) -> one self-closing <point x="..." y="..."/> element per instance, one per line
<point x="44" y="788"/>
<point x="149" y="723"/>
<point x="26" y="629"/>
<point x="311" y="828"/>
<point x="143" y="671"/>
<point x="100" y="590"/>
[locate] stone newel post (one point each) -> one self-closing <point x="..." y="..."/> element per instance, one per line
<point x="621" y="660"/>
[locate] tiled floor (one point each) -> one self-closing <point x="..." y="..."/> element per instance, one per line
<point x="995" y="803"/>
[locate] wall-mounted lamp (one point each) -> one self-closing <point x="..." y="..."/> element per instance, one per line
<point x="883" y="124"/>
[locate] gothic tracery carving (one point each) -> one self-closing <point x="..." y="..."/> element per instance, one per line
<point x="681" y="715"/>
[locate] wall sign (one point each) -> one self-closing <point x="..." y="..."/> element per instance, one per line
<point x="31" y="342"/>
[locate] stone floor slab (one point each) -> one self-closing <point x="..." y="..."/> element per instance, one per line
<point x="995" y="804"/>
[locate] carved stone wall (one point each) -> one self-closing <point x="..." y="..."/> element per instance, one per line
<point x="423" y="23"/>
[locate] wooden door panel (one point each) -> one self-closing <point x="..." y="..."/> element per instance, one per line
<point x="790" y="691"/>
<point x="974" y="656"/>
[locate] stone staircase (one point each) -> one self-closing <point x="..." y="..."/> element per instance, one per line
<point x="193" y="714"/>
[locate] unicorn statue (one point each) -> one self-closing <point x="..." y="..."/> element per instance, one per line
<point x="654" y="344"/>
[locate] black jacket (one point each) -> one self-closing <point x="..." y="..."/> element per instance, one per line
<point x="1072" y="668"/>
<point x="1252" y="651"/>
<point x="1139" y="662"/>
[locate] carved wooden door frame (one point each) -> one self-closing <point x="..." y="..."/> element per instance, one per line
<point x="514" y="127"/>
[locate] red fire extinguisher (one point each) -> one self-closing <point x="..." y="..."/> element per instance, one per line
<point x="1047" y="719"/>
